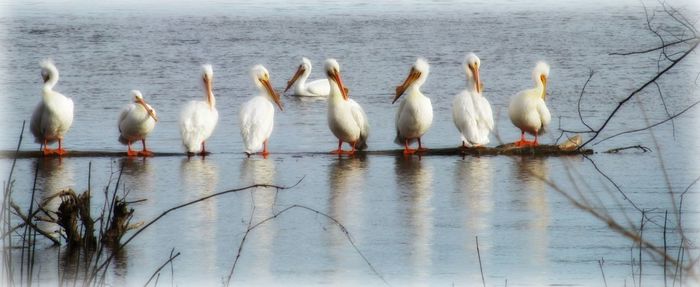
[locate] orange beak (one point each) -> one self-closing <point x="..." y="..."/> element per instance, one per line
<point x="149" y="110"/>
<point x="296" y="76"/>
<point x="207" y="86"/>
<point x="543" y="78"/>
<point x="270" y="91"/>
<point x="477" y="79"/>
<point x="335" y="76"/>
<point x="412" y="77"/>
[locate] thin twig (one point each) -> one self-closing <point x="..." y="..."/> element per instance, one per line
<point x="170" y="259"/>
<point x="481" y="269"/>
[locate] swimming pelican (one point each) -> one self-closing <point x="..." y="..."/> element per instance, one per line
<point x="415" y="114"/>
<point x="136" y="121"/>
<point x="346" y="119"/>
<point x="316" y="88"/>
<point x="258" y="114"/>
<point x="471" y="112"/>
<point x="198" y="118"/>
<point x="528" y="110"/>
<point x="53" y="116"/>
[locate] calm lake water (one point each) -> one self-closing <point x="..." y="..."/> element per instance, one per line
<point x="415" y="219"/>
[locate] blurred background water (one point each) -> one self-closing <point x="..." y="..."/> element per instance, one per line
<point x="414" y="219"/>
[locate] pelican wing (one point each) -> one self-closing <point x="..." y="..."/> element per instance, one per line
<point x="464" y="116"/>
<point x="35" y="125"/>
<point x="360" y="118"/>
<point x="256" y="119"/>
<point x="485" y="113"/>
<point x="545" y="116"/>
<point x="319" y="87"/>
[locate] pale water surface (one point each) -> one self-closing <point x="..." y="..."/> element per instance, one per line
<point x="414" y="219"/>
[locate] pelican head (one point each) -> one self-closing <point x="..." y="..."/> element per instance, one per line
<point x="304" y="69"/>
<point x="49" y="73"/>
<point x="333" y="73"/>
<point x="138" y="98"/>
<point x="261" y="77"/>
<point x="207" y="77"/>
<point x="472" y="63"/>
<point x="540" y="75"/>
<point x="416" y="77"/>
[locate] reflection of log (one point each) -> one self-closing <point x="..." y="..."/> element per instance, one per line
<point x="505" y="149"/>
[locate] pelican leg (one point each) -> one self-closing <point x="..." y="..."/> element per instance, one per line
<point x="352" y="151"/>
<point x="265" y="151"/>
<point x="60" y="151"/>
<point x="522" y="142"/>
<point x="129" y="151"/>
<point x="406" y="149"/>
<point x="145" y="151"/>
<point x="45" y="149"/>
<point x="339" y="150"/>
<point x="535" y="143"/>
<point x="420" y="146"/>
<point x="203" y="152"/>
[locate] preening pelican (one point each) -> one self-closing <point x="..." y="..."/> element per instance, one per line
<point x="346" y="119"/>
<point x="136" y="121"/>
<point x="415" y="114"/>
<point x="528" y="110"/>
<point x="199" y="118"/>
<point x="53" y="116"/>
<point x="471" y="112"/>
<point x="316" y="88"/>
<point x="257" y="115"/>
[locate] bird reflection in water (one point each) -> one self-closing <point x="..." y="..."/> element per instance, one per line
<point x="53" y="176"/>
<point x="414" y="179"/>
<point x="200" y="178"/>
<point x="258" y="170"/>
<point x="530" y="173"/>
<point x="347" y="186"/>
<point x="474" y="190"/>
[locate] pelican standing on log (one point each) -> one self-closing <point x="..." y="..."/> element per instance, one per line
<point x="316" y="88"/>
<point x="471" y="112"/>
<point x="415" y="114"/>
<point x="528" y="110"/>
<point x="257" y="115"/>
<point x="53" y="116"/>
<point x="198" y="118"/>
<point x="136" y="121"/>
<point x="346" y="119"/>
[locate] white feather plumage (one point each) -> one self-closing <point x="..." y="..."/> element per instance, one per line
<point x="471" y="111"/>
<point x="53" y="115"/>
<point x="199" y="118"/>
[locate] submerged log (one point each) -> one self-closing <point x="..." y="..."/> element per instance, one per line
<point x="569" y="147"/>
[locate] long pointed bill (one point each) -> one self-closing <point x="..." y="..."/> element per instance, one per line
<point x="335" y="76"/>
<point x="543" y="78"/>
<point x="477" y="79"/>
<point x="296" y="76"/>
<point x="412" y="77"/>
<point x="207" y="86"/>
<point x="270" y="91"/>
<point x="149" y="110"/>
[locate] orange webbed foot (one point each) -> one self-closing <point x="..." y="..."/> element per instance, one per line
<point x="61" y="151"/>
<point x="408" y="151"/>
<point x="132" y="153"/>
<point x="145" y="153"/>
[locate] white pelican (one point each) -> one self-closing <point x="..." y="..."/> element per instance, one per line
<point x="415" y="114"/>
<point x="471" y="112"/>
<point x="346" y="119"/>
<point x="53" y="116"/>
<point x="198" y="118"/>
<point x="316" y="88"/>
<point x="136" y="121"/>
<point x="528" y="110"/>
<point x="257" y="115"/>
